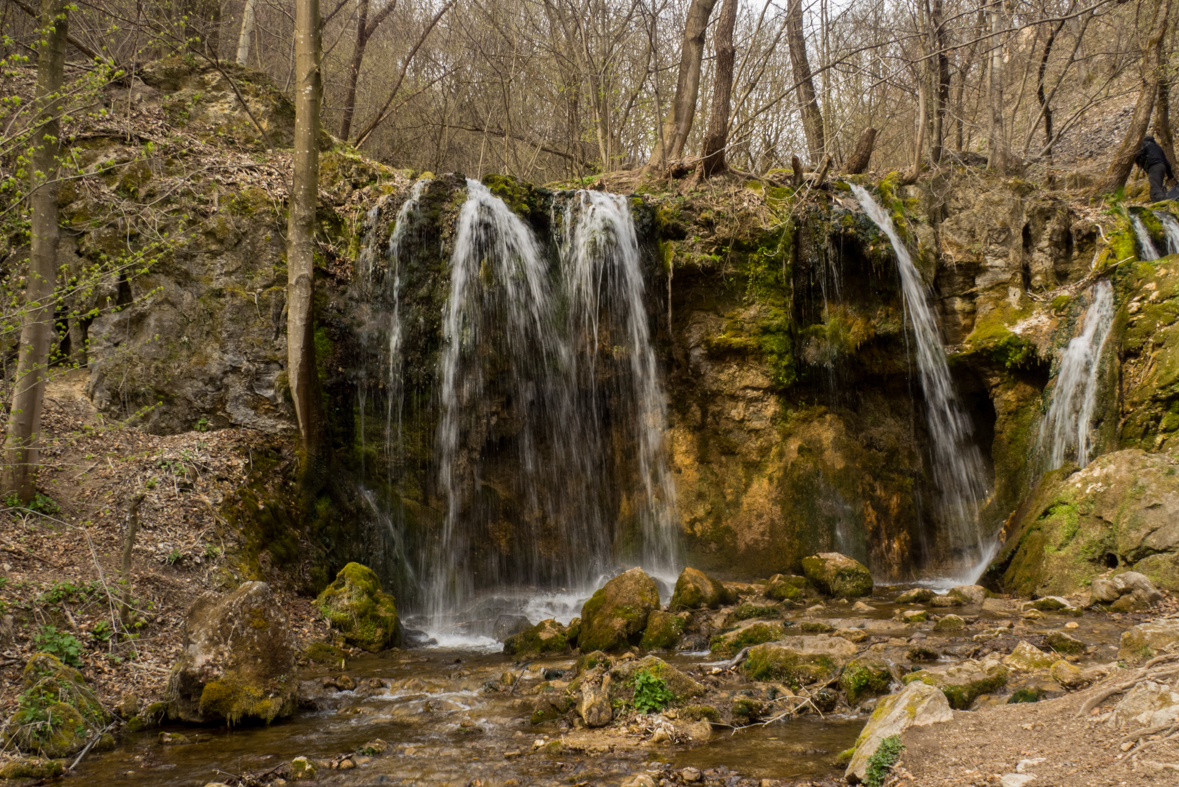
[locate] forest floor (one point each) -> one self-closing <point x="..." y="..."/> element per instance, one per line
<point x="60" y="586"/>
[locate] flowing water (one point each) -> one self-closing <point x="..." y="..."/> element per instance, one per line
<point x="1170" y="229"/>
<point x="957" y="463"/>
<point x="1146" y="249"/>
<point x="1065" y="432"/>
<point x="546" y="364"/>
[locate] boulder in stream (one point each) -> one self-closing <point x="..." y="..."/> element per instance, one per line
<point x="918" y="705"/>
<point x="786" y="587"/>
<point x="546" y="638"/>
<point x="663" y="631"/>
<point x="57" y="714"/>
<point x="1126" y="592"/>
<point x="964" y="682"/>
<point x="838" y="575"/>
<point x="355" y="606"/>
<point x="803" y="660"/>
<point x="751" y="632"/>
<point x="696" y="590"/>
<point x="238" y="662"/>
<point x="1147" y="640"/>
<point x="864" y="677"/>
<point x="616" y="615"/>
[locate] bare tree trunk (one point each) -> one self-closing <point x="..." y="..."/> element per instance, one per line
<point x="301" y="369"/>
<point x="812" y="117"/>
<point x="941" y="61"/>
<point x="717" y="138"/>
<point x="247" y="33"/>
<point x="364" y="32"/>
<point x="687" y="90"/>
<point x="32" y="371"/>
<point x="129" y="532"/>
<point x="1162" y="122"/>
<point x="998" y="138"/>
<point x="1045" y="105"/>
<point x="919" y="148"/>
<point x="1152" y="54"/>
<point x="858" y="163"/>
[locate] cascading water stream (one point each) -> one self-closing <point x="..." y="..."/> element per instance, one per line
<point x="957" y="464"/>
<point x="1146" y="249"/>
<point x="1170" y="228"/>
<point x="601" y="261"/>
<point x="1065" y="431"/>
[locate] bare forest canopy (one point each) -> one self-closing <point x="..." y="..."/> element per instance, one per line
<point x="553" y="90"/>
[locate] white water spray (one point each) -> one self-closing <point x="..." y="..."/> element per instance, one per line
<point x="1066" y="430"/>
<point x="1146" y="249"/>
<point x="1170" y="228"/>
<point x="957" y="464"/>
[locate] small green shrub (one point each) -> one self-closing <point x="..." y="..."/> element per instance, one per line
<point x="59" y="643"/>
<point x="40" y="504"/>
<point x="880" y="763"/>
<point x="651" y="692"/>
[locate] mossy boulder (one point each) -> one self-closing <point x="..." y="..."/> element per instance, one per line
<point x="916" y="596"/>
<point x="57" y="714"/>
<point x="918" y="705"/>
<point x="32" y="768"/>
<point x="696" y="590"/>
<point x="1077" y="524"/>
<point x="664" y="630"/>
<point x="964" y="682"/>
<point x="1026" y="657"/>
<point x="355" y="606"/>
<point x="616" y="615"/>
<point x="949" y="624"/>
<point x="238" y="662"/>
<point x="678" y="683"/>
<point x="864" y="677"/>
<point x="786" y="587"/>
<point x="799" y="660"/>
<point x="838" y="575"/>
<point x="546" y="638"/>
<point x="753" y="632"/>
<point x="1147" y="640"/>
<point x="1063" y="643"/>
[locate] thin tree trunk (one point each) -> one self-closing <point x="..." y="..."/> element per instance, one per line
<point x="812" y="117"/>
<point x="353" y="73"/>
<point x="129" y="532"/>
<point x="24" y="423"/>
<point x="247" y="33"/>
<point x="997" y="131"/>
<point x="942" y="78"/>
<point x="1045" y="105"/>
<point x="1123" y="159"/>
<point x="687" y="90"/>
<point x="919" y="148"/>
<point x="1162" y="122"/>
<point x="717" y="138"/>
<point x="301" y="369"/>
<point x="858" y="163"/>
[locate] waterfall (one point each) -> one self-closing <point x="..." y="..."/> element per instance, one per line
<point x="600" y="257"/>
<point x="1146" y="249"/>
<point x="1171" y="228"/>
<point x="1065" y="431"/>
<point x="957" y="464"/>
<point x="544" y="363"/>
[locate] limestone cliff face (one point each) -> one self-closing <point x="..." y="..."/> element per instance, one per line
<point x="795" y="420"/>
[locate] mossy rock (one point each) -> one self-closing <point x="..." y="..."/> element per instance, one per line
<point x="681" y="685"/>
<point x="238" y="662"/>
<point x="1028" y="658"/>
<point x="365" y="615"/>
<point x="57" y="713"/>
<point x="616" y="615"/>
<point x="863" y="678"/>
<point x="546" y="638"/>
<point x="324" y="653"/>
<point x="799" y="660"/>
<point x="753" y="632"/>
<point x="1063" y="643"/>
<point x="753" y="612"/>
<point x="963" y="683"/>
<point x="838" y="575"/>
<point x="663" y="631"/>
<point x="786" y="587"/>
<point x="32" y="768"/>
<point x="949" y="624"/>
<point x="696" y="590"/>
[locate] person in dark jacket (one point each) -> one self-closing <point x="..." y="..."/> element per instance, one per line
<point x="1154" y="163"/>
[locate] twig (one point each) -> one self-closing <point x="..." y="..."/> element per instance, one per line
<point x="90" y="745"/>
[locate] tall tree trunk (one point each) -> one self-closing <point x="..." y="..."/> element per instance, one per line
<point x="858" y="163"/>
<point x="717" y="138"/>
<point x="1041" y="97"/>
<point x="353" y="75"/>
<point x="301" y="371"/>
<point x="24" y="423"/>
<point x="247" y="33"/>
<point x="687" y="89"/>
<point x="919" y="147"/>
<point x="941" y="62"/>
<point x="812" y="117"/>
<point x="998" y="138"/>
<point x="1152" y="55"/>
<point x="1162" y="123"/>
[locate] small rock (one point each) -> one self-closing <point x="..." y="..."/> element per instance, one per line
<point x="971" y="594"/>
<point x="1016" y="779"/>
<point x="303" y="770"/>
<point x="914" y="615"/>
<point x="916" y="596"/>
<point x="1051" y="604"/>
<point x="1068" y="675"/>
<point x="949" y="623"/>
<point x="946" y="601"/>
<point x="173" y="739"/>
<point x="690" y="775"/>
<point x="1146" y="640"/>
<point x="862" y="608"/>
<point x="1063" y="643"/>
<point x="838" y="575"/>
<point x="347" y="765"/>
<point x="639" y="780"/>
<point x="1028" y="658"/>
